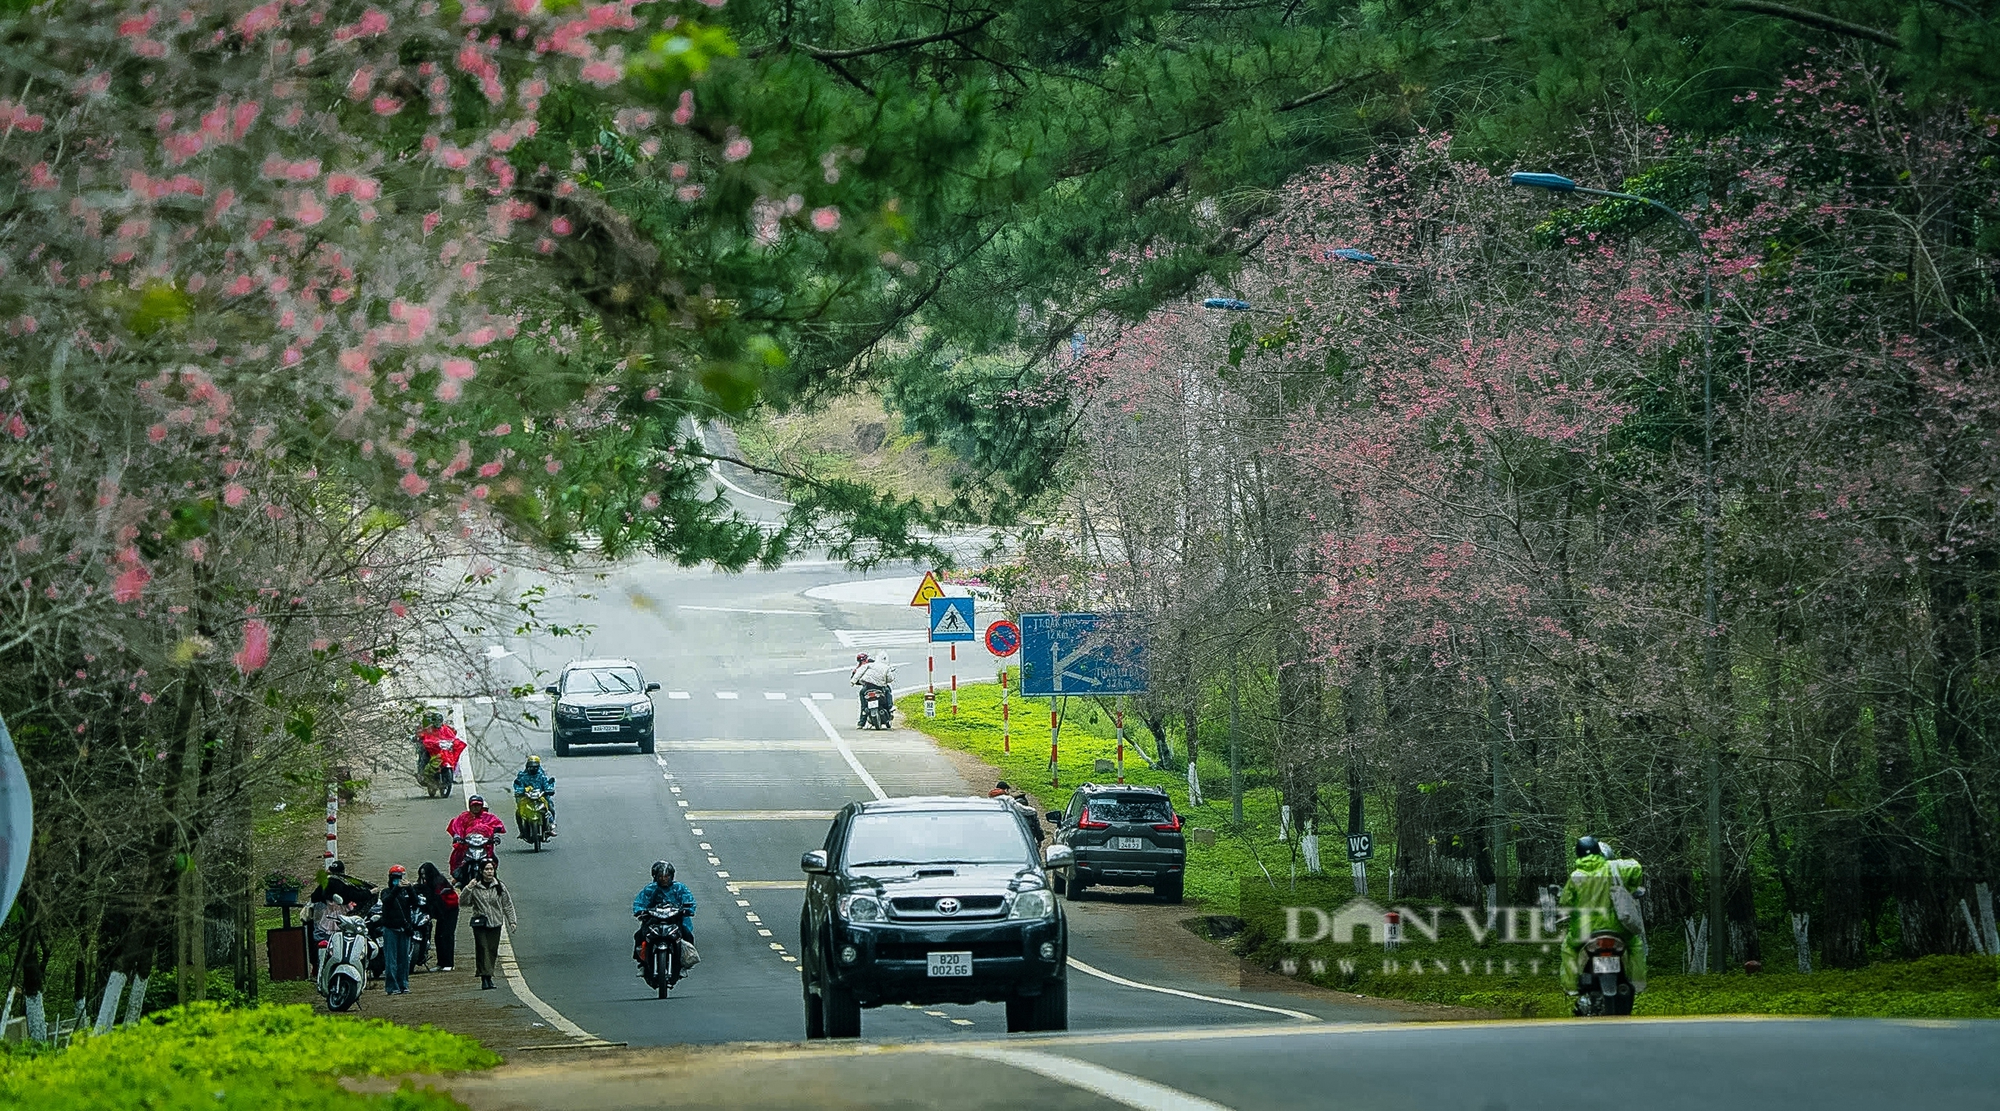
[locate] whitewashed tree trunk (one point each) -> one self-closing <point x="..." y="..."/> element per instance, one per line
<point x="38" y="1019"/>
<point x="1194" y="785"/>
<point x="107" y="1008"/>
<point x="1984" y="894"/>
<point x="135" y="1001"/>
<point x="1801" y="923"/>
<point x="1696" y="961"/>
<point x="1972" y="927"/>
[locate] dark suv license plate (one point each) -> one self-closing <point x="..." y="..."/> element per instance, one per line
<point x="1128" y="842"/>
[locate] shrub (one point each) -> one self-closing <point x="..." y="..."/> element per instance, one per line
<point x="250" y="1059"/>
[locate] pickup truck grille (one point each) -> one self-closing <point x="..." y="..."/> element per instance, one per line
<point x="969" y="906"/>
<point x="605" y="713"/>
<point x="919" y="950"/>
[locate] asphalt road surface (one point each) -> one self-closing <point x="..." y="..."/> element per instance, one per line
<point x="1632" y="1064"/>
<point x="756" y="751"/>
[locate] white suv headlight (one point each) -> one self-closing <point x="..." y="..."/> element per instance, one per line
<point x="1032" y="903"/>
<point x="860" y="908"/>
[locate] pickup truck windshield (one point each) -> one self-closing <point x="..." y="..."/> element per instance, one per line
<point x="936" y="837"/>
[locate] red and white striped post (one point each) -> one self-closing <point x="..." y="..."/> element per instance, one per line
<point x="1006" y="727"/>
<point x="1055" y="777"/>
<point x="954" y="679"/>
<point x="1119" y="718"/>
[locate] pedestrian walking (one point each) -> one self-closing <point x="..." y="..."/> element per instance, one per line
<point x="486" y="901"/>
<point x="441" y="903"/>
<point x="402" y="917"/>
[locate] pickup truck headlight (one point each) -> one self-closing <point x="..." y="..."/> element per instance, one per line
<point x="1032" y="903"/>
<point x="565" y="710"/>
<point x="641" y="709"/>
<point x="860" y="908"/>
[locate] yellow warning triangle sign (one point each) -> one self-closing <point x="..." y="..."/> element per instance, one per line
<point x="927" y="590"/>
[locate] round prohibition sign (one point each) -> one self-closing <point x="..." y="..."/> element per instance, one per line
<point x="1003" y="638"/>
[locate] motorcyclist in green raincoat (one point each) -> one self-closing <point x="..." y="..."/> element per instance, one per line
<point x="1590" y="909"/>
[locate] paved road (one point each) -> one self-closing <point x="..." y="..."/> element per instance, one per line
<point x="1635" y="1064"/>
<point x="750" y="766"/>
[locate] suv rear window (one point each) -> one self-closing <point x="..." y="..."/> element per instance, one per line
<point x="1131" y="809"/>
<point x="936" y="837"/>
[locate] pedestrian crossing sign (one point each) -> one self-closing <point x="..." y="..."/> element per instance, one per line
<point x="951" y="619"/>
<point x="927" y="591"/>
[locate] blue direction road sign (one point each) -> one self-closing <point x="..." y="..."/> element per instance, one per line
<point x="951" y="619"/>
<point x="1082" y="653"/>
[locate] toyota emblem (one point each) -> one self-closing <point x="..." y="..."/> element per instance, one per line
<point x="947" y="906"/>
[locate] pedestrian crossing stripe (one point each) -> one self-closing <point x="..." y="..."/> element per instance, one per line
<point x="926" y="590"/>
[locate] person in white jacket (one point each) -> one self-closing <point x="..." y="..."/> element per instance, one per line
<point x="869" y="673"/>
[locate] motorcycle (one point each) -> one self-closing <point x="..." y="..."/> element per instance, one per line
<point x="663" y="949"/>
<point x="435" y="778"/>
<point x="478" y="850"/>
<point x="344" y="960"/>
<point x="531" y="812"/>
<point x="1604" y="986"/>
<point x="876" y="707"/>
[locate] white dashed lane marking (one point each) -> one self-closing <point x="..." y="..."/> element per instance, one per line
<point x="725" y="694"/>
<point x="679" y="695"/>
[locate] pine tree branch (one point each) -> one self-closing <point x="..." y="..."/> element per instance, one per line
<point x="1814" y="19"/>
<point x="824" y="55"/>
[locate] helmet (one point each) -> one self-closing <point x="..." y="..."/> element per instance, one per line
<point x="1587" y="846"/>
<point x="397" y="870"/>
<point x="861" y="657"/>
<point x="534" y="761"/>
<point x="476" y="800"/>
<point x="663" y="872"/>
<point x="335" y="868"/>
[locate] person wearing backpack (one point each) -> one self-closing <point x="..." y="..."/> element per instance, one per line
<point x="441" y="903"/>
<point x="1601" y="897"/>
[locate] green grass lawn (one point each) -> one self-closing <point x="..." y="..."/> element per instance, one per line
<point x="268" y="1058"/>
<point x="1249" y="873"/>
<point x="1215" y="872"/>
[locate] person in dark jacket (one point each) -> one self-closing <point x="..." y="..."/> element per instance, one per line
<point x="402" y="916"/>
<point x="441" y="903"/>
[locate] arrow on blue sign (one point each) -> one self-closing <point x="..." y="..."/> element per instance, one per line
<point x="1082" y="653"/>
<point x="951" y="619"/>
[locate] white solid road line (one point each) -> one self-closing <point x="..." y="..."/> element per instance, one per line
<point x="846" y="753"/>
<point x="760" y="815"/>
<point x="1219" y="1001"/>
<point x="509" y="967"/>
<point x="1119" y="1087"/>
<point x="824" y="671"/>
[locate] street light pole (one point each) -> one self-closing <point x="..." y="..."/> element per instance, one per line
<point x="1718" y="952"/>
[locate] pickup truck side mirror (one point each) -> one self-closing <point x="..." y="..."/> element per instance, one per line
<point x="813" y="862"/>
<point x="1055" y="816"/>
<point x="651" y="687"/>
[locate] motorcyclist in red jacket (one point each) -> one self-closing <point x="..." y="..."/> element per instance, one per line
<point x="441" y="742"/>
<point x="476" y="819"/>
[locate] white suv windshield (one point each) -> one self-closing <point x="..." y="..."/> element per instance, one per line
<point x="610" y="680"/>
<point x="936" y="837"/>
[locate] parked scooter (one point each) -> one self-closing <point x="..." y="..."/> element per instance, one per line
<point x="876" y="707"/>
<point x="344" y="959"/>
<point x="665" y="953"/>
<point x="531" y="813"/>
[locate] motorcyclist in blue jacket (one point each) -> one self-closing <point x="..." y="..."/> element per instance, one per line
<point x="663" y="891"/>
